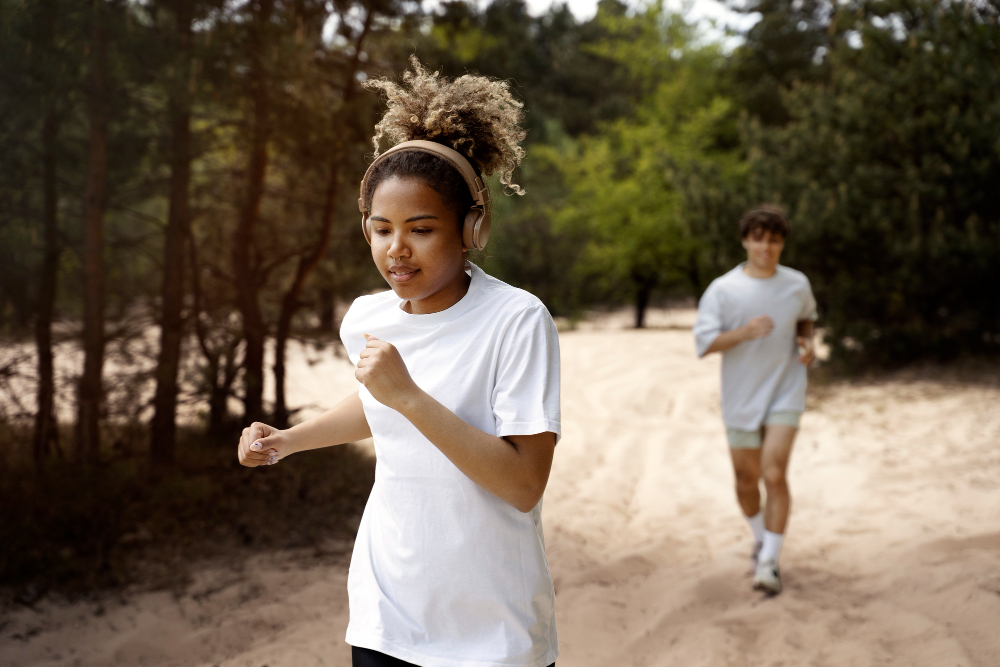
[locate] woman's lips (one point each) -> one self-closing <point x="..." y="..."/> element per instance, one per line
<point x="402" y="275"/>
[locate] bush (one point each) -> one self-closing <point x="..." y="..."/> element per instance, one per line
<point x="71" y="530"/>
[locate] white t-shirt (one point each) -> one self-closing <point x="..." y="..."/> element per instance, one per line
<point x="759" y="376"/>
<point x="444" y="573"/>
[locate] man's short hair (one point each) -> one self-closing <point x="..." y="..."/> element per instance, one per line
<point x="764" y="219"/>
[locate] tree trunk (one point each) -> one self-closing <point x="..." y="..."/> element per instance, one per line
<point x="90" y="390"/>
<point x="221" y="388"/>
<point x="290" y="302"/>
<point x="694" y="274"/>
<point x="218" y="390"/>
<point x="164" y="425"/>
<point x="46" y="426"/>
<point x="327" y="310"/>
<point x="218" y="411"/>
<point x="642" y="302"/>
<point x="244" y="266"/>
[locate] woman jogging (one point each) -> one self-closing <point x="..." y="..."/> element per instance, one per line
<point x="459" y="378"/>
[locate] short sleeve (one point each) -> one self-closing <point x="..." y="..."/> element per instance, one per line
<point x="808" y="311"/>
<point x="526" y="393"/>
<point x="708" y="326"/>
<point x="350" y="337"/>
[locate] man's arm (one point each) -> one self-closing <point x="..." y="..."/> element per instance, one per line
<point x="804" y="339"/>
<point x="758" y="327"/>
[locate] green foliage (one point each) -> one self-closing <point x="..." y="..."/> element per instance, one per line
<point x="889" y="171"/>
<point x="551" y="60"/>
<point x="646" y="188"/>
<point x="784" y="48"/>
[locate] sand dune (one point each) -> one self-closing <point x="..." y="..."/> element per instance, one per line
<point x="892" y="556"/>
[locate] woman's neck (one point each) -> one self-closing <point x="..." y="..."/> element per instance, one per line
<point x="443" y="299"/>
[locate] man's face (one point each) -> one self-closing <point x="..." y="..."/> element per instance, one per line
<point x="764" y="249"/>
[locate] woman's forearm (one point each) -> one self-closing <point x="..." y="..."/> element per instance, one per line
<point x="344" y="422"/>
<point x="515" y="469"/>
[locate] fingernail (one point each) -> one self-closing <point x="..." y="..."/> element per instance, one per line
<point x="256" y="446"/>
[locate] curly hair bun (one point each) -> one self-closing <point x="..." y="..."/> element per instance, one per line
<point x="475" y="115"/>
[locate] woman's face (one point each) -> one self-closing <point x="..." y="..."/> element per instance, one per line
<point x="417" y="245"/>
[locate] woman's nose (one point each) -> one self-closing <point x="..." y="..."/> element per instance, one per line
<point x="398" y="248"/>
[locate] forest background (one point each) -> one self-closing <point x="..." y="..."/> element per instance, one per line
<point x="177" y="208"/>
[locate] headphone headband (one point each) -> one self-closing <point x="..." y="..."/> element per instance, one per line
<point x="476" y="229"/>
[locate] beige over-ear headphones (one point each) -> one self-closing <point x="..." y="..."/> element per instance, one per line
<point x="476" y="229"/>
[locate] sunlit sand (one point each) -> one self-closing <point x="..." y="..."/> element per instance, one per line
<point x="892" y="554"/>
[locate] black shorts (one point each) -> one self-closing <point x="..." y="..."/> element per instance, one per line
<point x="365" y="657"/>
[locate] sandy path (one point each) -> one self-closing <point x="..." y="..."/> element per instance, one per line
<point x="892" y="556"/>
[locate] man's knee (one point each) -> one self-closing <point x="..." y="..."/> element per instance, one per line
<point x="747" y="480"/>
<point x="774" y="477"/>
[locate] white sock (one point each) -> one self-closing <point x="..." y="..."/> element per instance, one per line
<point x="772" y="546"/>
<point x="757" y="525"/>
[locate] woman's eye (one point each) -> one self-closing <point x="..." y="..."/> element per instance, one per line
<point x="422" y="230"/>
<point x="382" y="232"/>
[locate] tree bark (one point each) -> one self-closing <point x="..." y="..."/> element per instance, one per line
<point x="645" y="290"/>
<point x="327" y="310"/>
<point x="46" y="426"/>
<point x="90" y="389"/>
<point x="221" y="374"/>
<point x="244" y="266"/>
<point x="219" y="390"/>
<point x="290" y="302"/>
<point x="164" y="424"/>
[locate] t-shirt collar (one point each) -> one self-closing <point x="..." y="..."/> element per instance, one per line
<point x="743" y="273"/>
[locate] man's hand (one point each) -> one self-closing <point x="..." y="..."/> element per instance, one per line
<point x="758" y="327"/>
<point x="806" y="351"/>
<point x="262" y="445"/>
<point x="382" y="371"/>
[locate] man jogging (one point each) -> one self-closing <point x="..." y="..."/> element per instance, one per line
<point x="760" y="317"/>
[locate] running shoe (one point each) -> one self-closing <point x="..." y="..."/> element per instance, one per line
<point x="767" y="578"/>
<point x="754" y="555"/>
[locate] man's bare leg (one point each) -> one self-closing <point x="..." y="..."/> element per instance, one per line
<point x="775" y="452"/>
<point x="746" y="465"/>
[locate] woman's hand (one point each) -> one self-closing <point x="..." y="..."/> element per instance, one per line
<point x="262" y="445"/>
<point x="382" y="371"/>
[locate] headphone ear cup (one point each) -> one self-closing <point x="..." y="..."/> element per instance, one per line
<point x="482" y="232"/>
<point x="469" y="229"/>
<point x="366" y="228"/>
